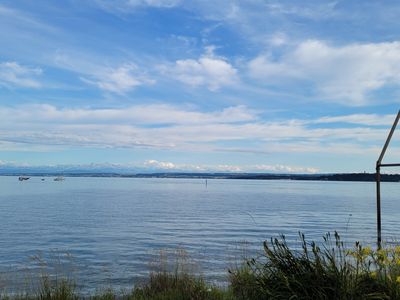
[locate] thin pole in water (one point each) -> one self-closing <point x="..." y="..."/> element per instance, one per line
<point x="378" y="205"/>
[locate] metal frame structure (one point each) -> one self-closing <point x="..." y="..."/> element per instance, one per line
<point x="379" y="165"/>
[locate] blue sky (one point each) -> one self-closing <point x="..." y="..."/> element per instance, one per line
<point x="243" y="86"/>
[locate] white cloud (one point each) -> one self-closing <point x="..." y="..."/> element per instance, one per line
<point x="126" y="6"/>
<point x="330" y="146"/>
<point x="345" y="74"/>
<point x="226" y="168"/>
<point x="119" y="80"/>
<point x="12" y="74"/>
<point x="159" y="164"/>
<point x="209" y="70"/>
<point x="152" y="114"/>
<point x="160" y="126"/>
<point x="362" y="119"/>
<point x="311" y="10"/>
<point x="209" y="168"/>
<point x="94" y="70"/>
<point x="283" y="169"/>
<point x="17" y="18"/>
<point x="153" y="165"/>
<point x="154" y="3"/>
<point x="278" y="39"/>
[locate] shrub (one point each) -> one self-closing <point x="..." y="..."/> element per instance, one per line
<point x="328" y="271"/>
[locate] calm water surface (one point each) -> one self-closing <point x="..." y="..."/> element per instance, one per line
<point x="113" y="227"/>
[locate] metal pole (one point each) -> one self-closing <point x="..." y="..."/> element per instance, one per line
<point x="378" y="204"/>
<point x="388" y="139"/>
<point x="390" y="165"/>
<point x="378" y="179"/>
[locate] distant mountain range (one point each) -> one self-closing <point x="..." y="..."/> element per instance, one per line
<point x="249" y="176"/>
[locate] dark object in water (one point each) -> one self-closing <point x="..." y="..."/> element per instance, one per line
<point x="22" y="178"/>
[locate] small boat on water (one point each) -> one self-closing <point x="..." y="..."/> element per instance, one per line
<point x="22" y="178"/>
<point x="59" y="178"/>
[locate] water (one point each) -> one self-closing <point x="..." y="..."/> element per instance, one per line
<point x="113" y="227"/>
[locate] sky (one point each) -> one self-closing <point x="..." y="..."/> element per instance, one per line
<point x="208" y="86"/>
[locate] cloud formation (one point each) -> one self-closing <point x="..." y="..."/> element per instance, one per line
<point x="211" y="71"/>
<point x="151" y="114"/>
<point x="129" y="6"/>
<point x="345" y="74"/>
<point x="13" y="74"/>
<point x="169" y="166"/>
<point x="147" y="79"/>
<point x="152" y="165"/>
<point x="361" y="119"/>
<point x="167" y="127"/>
<point x="119" y="80"/>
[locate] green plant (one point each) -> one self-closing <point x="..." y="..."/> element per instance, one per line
<point x="328" y="271"/>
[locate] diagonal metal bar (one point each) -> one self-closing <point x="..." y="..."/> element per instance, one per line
<point x="388" y="139"/>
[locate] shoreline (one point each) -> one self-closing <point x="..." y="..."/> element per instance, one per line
<point x="352" y="177"/>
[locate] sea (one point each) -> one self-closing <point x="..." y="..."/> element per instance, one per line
<point x="111" y="232"/>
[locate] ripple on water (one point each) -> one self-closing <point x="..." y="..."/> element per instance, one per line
<point x="113" y="228"/>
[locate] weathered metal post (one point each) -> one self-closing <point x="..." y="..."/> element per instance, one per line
<point x="378" y="180"/>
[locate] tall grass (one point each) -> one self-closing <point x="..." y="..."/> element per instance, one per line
<point x="174" y="276"/>
<point x="328" y="270"/>
<point x="59" y="285"/>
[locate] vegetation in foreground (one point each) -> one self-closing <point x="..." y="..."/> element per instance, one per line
<point x="326" y="271"/>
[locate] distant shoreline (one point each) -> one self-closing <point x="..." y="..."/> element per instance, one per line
<point x="358" y="177"/>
